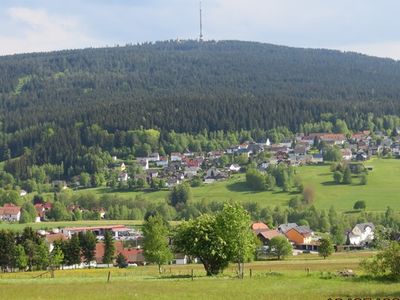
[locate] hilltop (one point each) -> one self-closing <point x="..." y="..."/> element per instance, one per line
<point x="189" y="86"/>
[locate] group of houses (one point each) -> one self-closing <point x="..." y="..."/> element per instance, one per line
<point x="303" y="238"/>
<point x="300" y="150"/>
<point x="12" y="213"/>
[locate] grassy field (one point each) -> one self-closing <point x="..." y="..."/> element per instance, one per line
<point x="381" y="191"/>
<point x="270" y="280"/>
<point x="50" y="225"/>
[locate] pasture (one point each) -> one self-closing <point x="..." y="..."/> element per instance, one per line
<point x="382" y="189"/>
<point x="270" y="280"/>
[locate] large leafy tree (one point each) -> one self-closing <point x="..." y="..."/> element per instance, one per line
<point x="180" y="195"/>
<point x="280" y="247"/>
<point x="234" y="226"/>
<point x="199" y="238"/>
<point x="155" y="241"/>
<point x="326" y="248"/>
<point x="218" y="239"/>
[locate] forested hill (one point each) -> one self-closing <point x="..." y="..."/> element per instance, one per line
<point x="188" y="86"/>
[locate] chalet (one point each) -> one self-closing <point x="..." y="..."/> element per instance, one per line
<point x="361" y="234"/>
<point x="10" y="213"/>
<point x="299" y="235"/>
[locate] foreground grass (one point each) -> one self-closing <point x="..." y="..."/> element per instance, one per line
<point x="270" y="280"/>
<point x="381" y="190"/>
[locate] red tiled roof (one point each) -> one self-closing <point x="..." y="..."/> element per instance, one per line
<point x="269" y="234"/>
<point x="132" y="255"/>
<point x="258" y="226"/>
<point x="9" y="209"/>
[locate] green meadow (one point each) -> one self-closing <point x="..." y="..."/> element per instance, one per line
<point x="382" y="189"/>
<point x="270" y="280"/>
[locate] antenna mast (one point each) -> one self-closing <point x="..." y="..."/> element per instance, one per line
<point x="201" y="25"/>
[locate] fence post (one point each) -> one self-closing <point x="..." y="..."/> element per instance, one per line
<point x="108" y="277"/>
<point x="192" y="275"/>
<point x="251" y="273"/>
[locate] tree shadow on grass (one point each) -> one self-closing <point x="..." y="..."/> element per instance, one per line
<point x="240" y="186"/>
<point x="328" y="183"/>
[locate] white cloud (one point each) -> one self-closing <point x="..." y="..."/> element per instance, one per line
<point x="36" y="30"/>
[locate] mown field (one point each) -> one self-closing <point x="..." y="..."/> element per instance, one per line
<point x="270" y="280"/>
<point x="382" y="189"/>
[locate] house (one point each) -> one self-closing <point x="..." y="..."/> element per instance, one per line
<point x="132" y="255"/>
<point x="215" y="174"/>
<point x="10" y="213"/>
<point x="346" y="154"/>
<point x="154" y="157"/>
<point x="176" y="156"/>
<point x="234" y="168"/>
<point x="59" y="184"/>
<point x="123" y="177"/>
<point x="300" y="150"/>
<point x="361" y="234"/>
<point x="361" y="156"/>
<point x="143" y="162"/>
<point x="41" y="210"/>
<point x="259" y="226"/>
<point x="299" y="235"/>
<point x="162" y="162"/>
<point x="283" y="228"/>
<point x="317" y="158"/>
<point x="333" y="138"/>
<point x="266" y="235"/>
<point x="180" y="259"/>
<point x="191" y="171"/>
<point x="172" y="181"/>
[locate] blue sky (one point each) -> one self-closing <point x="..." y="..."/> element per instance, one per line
<point x="366" y="26"/>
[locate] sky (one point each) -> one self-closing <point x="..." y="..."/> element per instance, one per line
<point x="366" y="26"/>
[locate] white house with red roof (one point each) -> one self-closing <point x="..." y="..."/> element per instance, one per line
<point x="10" y="213"/>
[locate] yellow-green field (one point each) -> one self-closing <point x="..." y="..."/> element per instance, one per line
<point x="382" y="189"/>
<point x="270" y="280"/>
